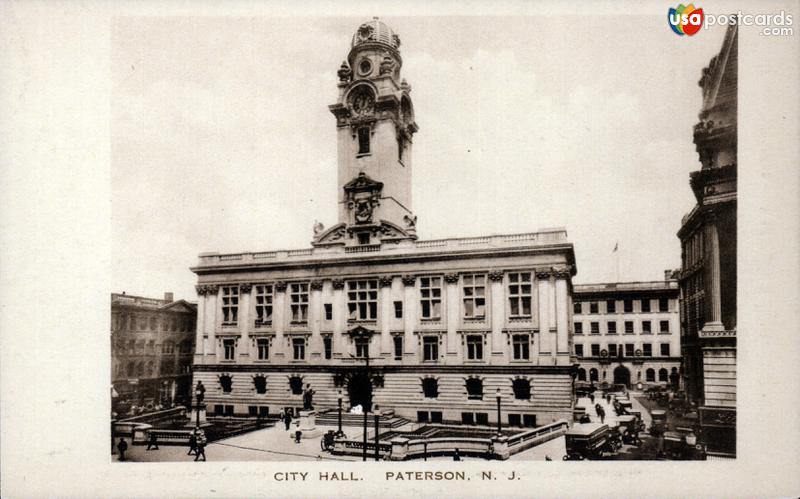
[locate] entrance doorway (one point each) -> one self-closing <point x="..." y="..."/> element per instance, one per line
<point x="359" y="390"/>
<point x="622" y="376"/>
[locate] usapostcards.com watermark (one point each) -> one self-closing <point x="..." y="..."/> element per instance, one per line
<point x="687" y="20"/>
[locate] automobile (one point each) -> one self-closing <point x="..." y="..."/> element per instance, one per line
<point x="588" y="441"/>
<point x="682" y="444"/>
<point x="629" y="429"/>
<point x="659" y="423"/>
<point x="638" y="415"/>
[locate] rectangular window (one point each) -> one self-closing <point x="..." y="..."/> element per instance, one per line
<point x="263" y="411"/>
<point x="363" y="238"/>
<point x="647" y="327"/>
<point x="593" y="308"/>
<point x="299" y="302"/>
<point x="436" y="416"/>
<point x="647" y="349"/>
<point x="467" y="418"/>
<point x="628" y="349"/>
<point x="628" y="306"/>
<point x="474" y="347"/>
<point x="664" y="326"/>
<point x="474" y="296"/>
<point x="362" y="347"/>
<point x="398" y="310"/>
<point x="628" y="327"/>
<point x="612" y="327"/>
<point x="229" y="410"/>
<point x="430" y="348"/>
<point x="595" y="350"/>
<point x="579" y="328"/>
<point x="422" y="416"/>
<point x="663" y="304"/>
<point x="481" y="418"/>
<point x="398" y="348"/>
<point x="363" y="140"/>
<point x="430" y="291"/>
<point x="646" y="305"/>
<point x="252" y="410"/>
<point x="514" y="420"/>
<point x="529" y="420"/>
<point x="230" y="305"/>
<point x="576" y="308"/>
<point x="229" y="349"/>
<point x="519" y="294"/>
<point x="328" y="311"/>
<point x="327" y="343"/>
<point x="263" y="304"/>
<point x="579" y="350"/>
<point x="611" y="306"/>
<point x="665" y="349"/>
<point x="362" y="300"/>
<point x="612" y="350"/>
<point x="595" y="327"/>
<point x="299" y="348"/>
<point x="263" y="349"/>
<point x="219" y="410"/>
<point x="521" y="344"/>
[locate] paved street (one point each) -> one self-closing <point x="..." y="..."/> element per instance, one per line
<point x="277" y="444"/>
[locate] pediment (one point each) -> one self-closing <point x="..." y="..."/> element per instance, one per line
<point x="363" y="183"/>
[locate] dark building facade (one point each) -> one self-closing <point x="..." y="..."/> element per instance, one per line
<point x="152" y="342"/>
<point x="708" y="241"/>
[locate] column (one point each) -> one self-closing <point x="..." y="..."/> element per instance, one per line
<point x="385" y="283"/>
<point x="562" y="314"/>
<point x="453" y="316"/>
<point x="244" y="322"/>
<point x="543" y="292"/>
<point x="279" y="318"/>
<point x="410" y="315"/>
<point x="339" y="316"/>
<point x="315" y="319"/>
<point x="498" y="312"/>
<point x="200" y="324"/>
<point x="211" y="324"/>
<point x="551" y="299"/>
<point x="715" y="304"/>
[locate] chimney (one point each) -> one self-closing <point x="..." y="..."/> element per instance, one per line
<point x="168" y="297"/>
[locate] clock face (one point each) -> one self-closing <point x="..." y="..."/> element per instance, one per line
<point x="362" y="102"/>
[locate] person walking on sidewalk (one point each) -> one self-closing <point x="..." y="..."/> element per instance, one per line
<point x="152" y="442"/>
<point x="201" y="447"/>
<point x="287" y="420"/>
<point x="192" y="443"/>
<point x="122" y="446"/>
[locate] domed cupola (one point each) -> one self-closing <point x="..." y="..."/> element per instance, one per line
<point x="375" y="31"/>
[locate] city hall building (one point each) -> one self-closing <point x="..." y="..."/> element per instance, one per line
<point x="434" y="330"/>
<point x="628" y="333"/>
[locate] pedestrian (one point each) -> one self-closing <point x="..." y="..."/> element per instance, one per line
<point x="591" y="397"/>
<point x="192" y="444"/>
<point x="201" y="447"/>
<point x="456" y="456"/>
<point x="297" y="436"/>
<point x="287" y="420"/>
<point x="122" y="446"/>
<point x="152" y="441"/>
<point x="602" y="413"/>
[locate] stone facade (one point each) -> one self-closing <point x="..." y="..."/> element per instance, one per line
<point x="628" y="333"/>
<point x="708" y="240"/>
<point x="435" y="330"/>
<point x="152" y="341"/>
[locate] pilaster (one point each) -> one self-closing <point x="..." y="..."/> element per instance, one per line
<point x="451" y="292"/>
<point x="315" y="320"/>
<point x="410" y="315"/>
<point x="543" y="295"/>
<point x="339" y="316"/>
<point x="279" y="310"/>
<point x="200" y="325"/>
<point x="498" y="312"/>
<point x="244" y="322"/>
<point x="212" y="318"/>
<point x="386" y="315"/>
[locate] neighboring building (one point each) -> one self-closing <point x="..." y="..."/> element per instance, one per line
<point x="152" y="342"/>
<point x="445" y="324"/>
<point x="628" y="333"/>
<point x="708" y="240"/>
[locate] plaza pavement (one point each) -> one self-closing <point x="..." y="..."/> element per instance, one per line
<point x="277" y="444"/>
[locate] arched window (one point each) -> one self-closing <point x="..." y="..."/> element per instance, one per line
<point x="475" y="389"/>
<point x="296" y="385"/>
<point x="581" y="374"/>
<point x="430" y="387"/>
<point x="131" y="368"/>
<point x="522" y="388"/>
<point x="650" y="375"/>
<point x="140" y="369"/>
<point x="662" y="375"/>
<point x="226" y="382"/>
<point x="593" y="374"/>
<point x="260" y="382"/>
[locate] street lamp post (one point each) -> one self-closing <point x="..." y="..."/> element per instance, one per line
<point x="377" y="428"/>
<point x="339" y="433"/>
<point x="499" y="421"/>
<point x="199" y="395"/>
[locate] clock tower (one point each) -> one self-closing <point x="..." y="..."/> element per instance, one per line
<point x="375" y="125"/>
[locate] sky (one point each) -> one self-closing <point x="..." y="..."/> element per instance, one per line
<point x="221" y="138"/>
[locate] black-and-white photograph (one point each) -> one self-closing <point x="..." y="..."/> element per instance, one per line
<point x="530" y="256"/>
